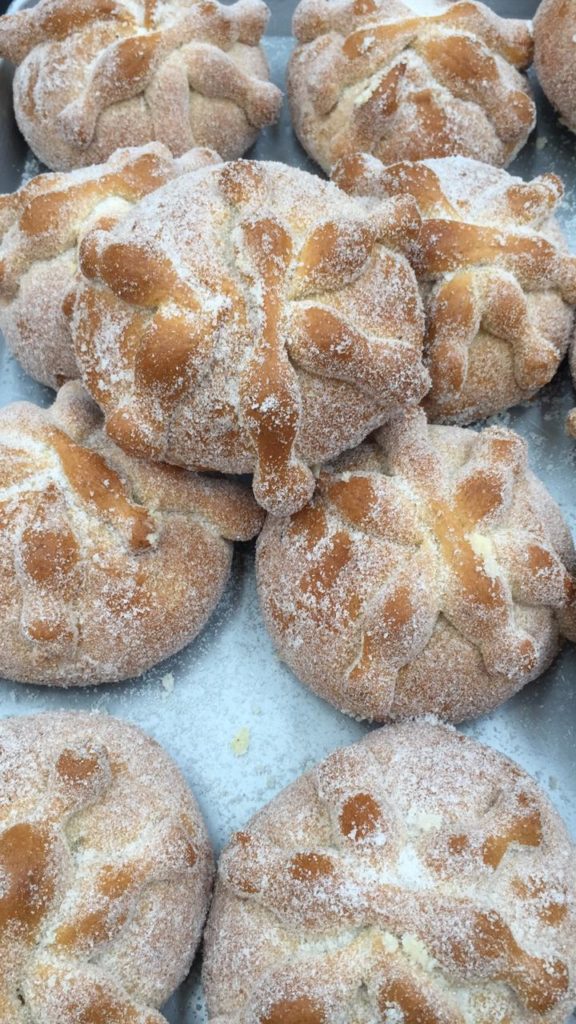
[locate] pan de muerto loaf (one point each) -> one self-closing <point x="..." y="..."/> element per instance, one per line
<point x="251" y="318"/>
<point x="94" y="75"/>
<point x="498" y="283"/>
<point x="407" y="79"/>
<point x="416" y="877"/>
<point x="554" y="56"/>
<point x="430" y="573"/>
<point x="107" y="564"/>
<point x="40" y="226"/>
<point x="106" y="872"/>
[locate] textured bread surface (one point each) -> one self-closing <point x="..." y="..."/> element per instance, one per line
<point x="409" y="79"/>
<point x="41" y="226"/>
<point x="571" y="419"/>
<point x="416" y="877"/>
<point x="498" y="283"/>
<point x="251" y="318"/>
<point x="106" y="872"/>
<point x="431" y="573"/>
<point x="94" y="75"/>
<point x="554" y="56"/>
<point x="107" y="564"/>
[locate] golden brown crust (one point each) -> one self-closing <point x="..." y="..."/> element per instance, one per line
<point x="106" y="872"/>
<point x="431" y="573"/>
<point x="41" y="225"/>
<point x="554" y="31"/>
<point x="498" y="283"/>
<point x="416" y="876"/>
<point x="404" y="83"/>
<point x="107" y="564"/>
<point x="251" y="318"/>
<point x="95" y="76"/>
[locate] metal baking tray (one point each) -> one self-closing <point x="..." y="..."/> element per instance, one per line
<point x="238" y="723"/>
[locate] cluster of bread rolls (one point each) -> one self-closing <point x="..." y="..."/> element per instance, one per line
<point x="201" y="314"/>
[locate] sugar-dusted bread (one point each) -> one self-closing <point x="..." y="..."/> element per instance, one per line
<point x="40" y="227"/>
<point x="571" y="421"/>
<point x="498" y="283"/>
<point x="251" y="318"/>
<point x="416" y="877"/>
<point x="107" y="564"/>
<point x="106" y="872"/>
<point x="431" y="573"/>
<point x="94" y="75"/>
<point x="554" y="33"/>
<point x="409" y="79"/>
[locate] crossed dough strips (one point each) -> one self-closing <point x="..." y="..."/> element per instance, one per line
<point x="390" y="78"/>
<point x="498" y="282"/>
<point x="416" y="876"/>
<point x="40" y="227"/>
<point x="106" y="872"/>
<point x="94" y="75"/>
<point x="250" y="318"/>
<point x="430" y="573"/>
<point x="107" y="565"/>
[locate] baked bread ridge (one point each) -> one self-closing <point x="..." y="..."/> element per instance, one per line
<point x="431" y="573"/>
<point x="251" y="318"/>
<point x="414" y="876"/>
<point x="94" y="75"/>
<point x="106" y="871"/>
<point x="554" y="31"/>
<point x="406" y="80"/>
<point x="107" y="564"/>
<point x="498" y="282"/>
<point x="40" y="227"/>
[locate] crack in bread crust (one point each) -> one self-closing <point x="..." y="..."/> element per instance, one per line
<point x="498" y="282"/>
<point x="431" y="573"/>
<point x="390" y="80"/>
<point x="387" y="884"/>
<point x="101" y="845"/>
<point x="251" y="318"/>
<point x="93" y="77"/>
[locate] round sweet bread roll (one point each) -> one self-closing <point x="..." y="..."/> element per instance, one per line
<point x="94" y="75"/>
<point x="416" y="877"/>
<point x="498" y="283"/>
<point x="106" y="872"/>
<point x="250" y="318"/>
<point x="40" y="227"/>
<point x="409" y="79"/>
<point x="554" y="56"/>
<point x="107" y="564"/>
<point x="431" y="573"/>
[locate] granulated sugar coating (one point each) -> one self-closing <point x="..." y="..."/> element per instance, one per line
<point x="431" y="573"/>
<point x="498" y="283"/>
<point x="105" y="872"/>
<point x="408" y="80"/>
<point x="92" y="77"/>
<point x="250" y="317"/>
<point x="41" y="225"/>
<point x="107" y="565"/>
<point x="230" y="679"/>
<point x="555" y="56"/>
<point x="415" y="876"/>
